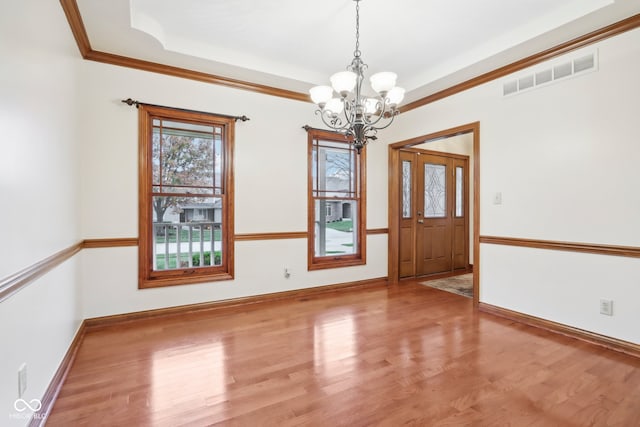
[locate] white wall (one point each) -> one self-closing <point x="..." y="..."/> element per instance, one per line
<point x="38" y="189"/>
<point x="565" y="158"/>
<point x="270" y="179"/>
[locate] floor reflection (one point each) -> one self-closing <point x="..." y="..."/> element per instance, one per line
<point x="334" y="342"/>
<point x="186" y="376"/>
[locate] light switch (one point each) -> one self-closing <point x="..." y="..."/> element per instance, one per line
<point x="497" y="198"/>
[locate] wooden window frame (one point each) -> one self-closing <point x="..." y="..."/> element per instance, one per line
<point x="335" y="261"/>
<point x="147" y="277"/>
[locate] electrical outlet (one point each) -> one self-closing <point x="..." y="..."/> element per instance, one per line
<point x="497" y="198"/>
<point x="606" y="307"/>
<point x="22" y="379"/>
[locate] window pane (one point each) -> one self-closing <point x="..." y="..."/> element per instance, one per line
<point x="406" y="189"/>
<point x="183" y="154"/>
<point x="459" y="191"/>
<point x="333" y="171"/>
<point x="336" y="227"/>
<point x="435" y="196"/>
<point x="155" y="156"/>
<point x="186" y="232"/>
<point x="186" y="161"/>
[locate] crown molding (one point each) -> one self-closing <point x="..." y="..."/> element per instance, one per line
<point x="79" y="31"/>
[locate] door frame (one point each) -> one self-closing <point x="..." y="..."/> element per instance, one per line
<point x="394" y="199"/>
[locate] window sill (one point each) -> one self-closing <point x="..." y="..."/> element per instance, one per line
<point x="334" y="262"/>
<point x="147" y="283"/>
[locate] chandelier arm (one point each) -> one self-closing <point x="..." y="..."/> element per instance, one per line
<point x="385" y="109"/>
<point x="331" y="122"/>
<point x="372" y="134"/>
<point x="391" y="119"/>
<point x="326" y="119"/>
<point x="372" y="123"/>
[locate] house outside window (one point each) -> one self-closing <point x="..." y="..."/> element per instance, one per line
<point x="336" y="223"/>
<point x="186" y="189"/>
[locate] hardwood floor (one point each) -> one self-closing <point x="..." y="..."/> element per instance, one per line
<point x="377" y="356"/>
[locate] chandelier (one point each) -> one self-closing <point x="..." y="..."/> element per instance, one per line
<point x="352" y="113"/>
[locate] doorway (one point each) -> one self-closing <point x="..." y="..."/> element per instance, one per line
<point x="435" y="246"/>
<point x="434" y="224"/>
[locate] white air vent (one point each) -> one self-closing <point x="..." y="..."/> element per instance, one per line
<point x="525" y="82"/>
<point x="543" y="77"/>
<point x="562" y="70"/>
<point x="551" y="72"/>
<point x="585" y="63"/>
<point x="510" y="87"/>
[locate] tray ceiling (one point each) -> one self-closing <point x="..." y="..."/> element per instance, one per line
<point x="293" y="44"/>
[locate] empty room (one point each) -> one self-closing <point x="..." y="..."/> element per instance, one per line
<point x="341" y="212"/>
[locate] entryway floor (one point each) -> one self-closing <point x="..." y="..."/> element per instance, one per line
<point x="461" y="285"/>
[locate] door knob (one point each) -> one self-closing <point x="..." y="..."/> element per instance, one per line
<point x="421" y="221"/>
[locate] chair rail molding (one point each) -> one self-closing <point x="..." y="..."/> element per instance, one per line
<point x="612" y="250"/>
<point x="12" y="284"/>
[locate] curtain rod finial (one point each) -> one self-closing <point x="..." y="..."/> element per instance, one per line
<point x="130" y="102"/>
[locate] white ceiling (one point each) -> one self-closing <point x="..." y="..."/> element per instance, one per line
<point x="295" y="44"/>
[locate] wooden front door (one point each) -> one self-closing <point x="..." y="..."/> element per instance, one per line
<point x="434" y="228"/>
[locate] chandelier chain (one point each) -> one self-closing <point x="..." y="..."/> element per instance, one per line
<point x="357" y="52"/>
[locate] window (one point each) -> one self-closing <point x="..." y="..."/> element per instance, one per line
<point x="185" y="197"/>
<point x="459" y="191"/>
<point x="336" y="225"/>
<point x="406" y="189"/>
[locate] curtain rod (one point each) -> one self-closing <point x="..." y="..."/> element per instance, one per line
<point x="131" y="102"/>
<point x="310" y="128"/>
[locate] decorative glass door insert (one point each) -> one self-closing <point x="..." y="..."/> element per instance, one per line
<point x="435" y="190"/>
